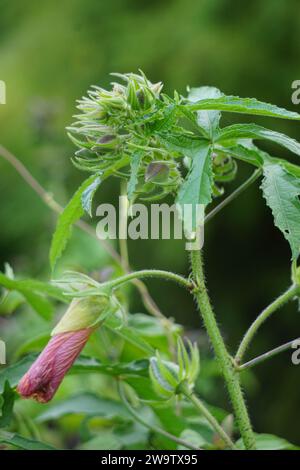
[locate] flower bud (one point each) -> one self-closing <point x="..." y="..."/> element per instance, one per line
<point x="141" y="93"/>
<point x="166" y="376"/>
<point x="132" y="98"/>
<point x="68" y="339"/>
<point x="106" y="142"/>
<point x="157" y="172"/>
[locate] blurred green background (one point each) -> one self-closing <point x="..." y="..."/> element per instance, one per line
<point x="52" y="52"/>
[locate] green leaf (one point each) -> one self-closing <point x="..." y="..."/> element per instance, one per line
<point x="197" y="187"/>
<point x="7" y="400"/>
<point x="13" y="373"/>
<point x="134" y="168"/>
<point x="106" y="440"/>
<point x="85" y="365"/>
<point x="187" y="145"/>
<point x="281" y="191"/>
<point x="32" y="292"/>
<point x="192" y="437"/>
<point x="82" y="365"/>
<point x="87" y="404"/>
<point x="290" y="167"/>
<point x="166" y="118"/>
<point x="35" y="344"/>
<point x="207" y="120"/>
<point x="251" y="155"/>
<point x="253" y="131"/>
<point x="22" y="443"/>
<point x="88" y="195"/>
<point x="270" y="442"/>
<point x="151" y="330"/>
<point x="234" y="104"/>
<point x="72" y="212"/>
<point x="44" y="288"/>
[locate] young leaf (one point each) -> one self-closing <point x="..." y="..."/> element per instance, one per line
<point x="253" y="131"/>
<point x="197" y="187"/>
<point x="165" y="122"/>
<point x="207" y="120"/>
<point x="72" y="212"/>
<point x="134" y="168"/>
<point x="234" y="104"/>
<point x="281" y="191"/>
<point x="88" y="195"/>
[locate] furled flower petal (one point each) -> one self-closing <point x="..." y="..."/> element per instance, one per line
<point x="47" y="372"/>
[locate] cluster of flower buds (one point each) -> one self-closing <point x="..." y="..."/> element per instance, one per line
<point x="168" y="377"/>
<point x="68" y="339"/>
<point x="113" y="126"/>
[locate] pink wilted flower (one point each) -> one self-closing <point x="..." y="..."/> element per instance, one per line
<point x="69" y="338"/>
<point x="47" y="372"/>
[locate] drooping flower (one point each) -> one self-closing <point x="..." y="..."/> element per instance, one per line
<point x="47" y="372"/>
<point x="68" y="339"/>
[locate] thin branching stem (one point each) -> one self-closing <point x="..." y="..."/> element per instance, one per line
<point x="255" y="175"/>
<point x="207" y="414"/>
<point x="267" y="355"/>
<point x="152" y="427"/>
<point x="265" y="314"/>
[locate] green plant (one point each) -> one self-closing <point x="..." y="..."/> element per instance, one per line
<point x="158" y="146"/>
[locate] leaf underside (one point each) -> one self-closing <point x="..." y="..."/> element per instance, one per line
<point x="281" y="190"/>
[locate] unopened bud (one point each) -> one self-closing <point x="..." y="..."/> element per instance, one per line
<point x="167" y="377"/>
<point x="156" y="171"/>
<point x="106" y="142"/>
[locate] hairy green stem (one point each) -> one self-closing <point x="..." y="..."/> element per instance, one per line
<point x="255" y="175"/>
<point x="151" y="273"/>
<point x="265" y="314"/>
<point x="206" y="413"/>
<point x="123" y="227"/>
<point x="224" y="359"/>
<point x="268" y="355"/>
<point x="152" y="427"/>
